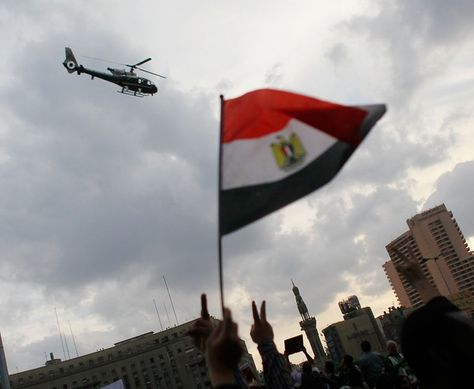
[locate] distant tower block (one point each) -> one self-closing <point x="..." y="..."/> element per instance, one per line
<point x="308" y="325"/>
<point x="349" y="306"/>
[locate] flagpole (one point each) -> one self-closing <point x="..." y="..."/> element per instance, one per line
<point x="219" y="187"/>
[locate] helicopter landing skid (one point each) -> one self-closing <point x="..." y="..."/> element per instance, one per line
<point x="131" y="93"/>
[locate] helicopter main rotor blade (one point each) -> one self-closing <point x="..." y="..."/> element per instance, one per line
<point x="103" y="60"/>
<point x="140" y="63"/>
<point x="146" y="71"/>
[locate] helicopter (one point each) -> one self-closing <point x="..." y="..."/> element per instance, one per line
<point x="131" y="83"/>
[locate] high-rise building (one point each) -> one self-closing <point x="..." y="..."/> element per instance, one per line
<point x="308" y="325"/>
<point x="438" y="244"/>
<point x="167" y="359"/>
<point x="359" y="324"/>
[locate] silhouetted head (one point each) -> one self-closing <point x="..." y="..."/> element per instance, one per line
<point x="329" y="367"/>
<point x="306" y="367"/>
<point x="392" y="347"/>
<point x="348" y="360"/>
<point x="437" y="342"/>
<point x="365" y="346"/>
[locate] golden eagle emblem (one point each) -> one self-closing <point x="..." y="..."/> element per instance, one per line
<point x="288" y="153"/>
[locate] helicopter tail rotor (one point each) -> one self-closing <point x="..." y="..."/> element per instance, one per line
<point x="70" y="62"/>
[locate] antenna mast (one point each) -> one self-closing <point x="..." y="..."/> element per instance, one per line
<point x="73" y="339"/>
<point x="159" y="319"/>
<point x="171" y="300"/>
<point x="67" y="347"/>
<point x="60" y="334"/>
<point x="168" y="316"/>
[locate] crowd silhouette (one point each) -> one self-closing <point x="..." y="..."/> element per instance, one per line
<point x="436" y="349"/>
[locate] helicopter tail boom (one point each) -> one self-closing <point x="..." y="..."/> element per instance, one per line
<point x="70" y="62"/>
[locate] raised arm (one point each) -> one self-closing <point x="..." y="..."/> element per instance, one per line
<point x="200" y="333"/>
<point x="202" y="327"/>
<point x="275" y="366"/>
<point x="223" y="353"/>
<point x="308" y="357"/>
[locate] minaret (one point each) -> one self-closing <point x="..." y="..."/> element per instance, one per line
<point x="308" y="325"/>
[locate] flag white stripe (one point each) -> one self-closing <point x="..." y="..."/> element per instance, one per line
<point x="251" y="161"/>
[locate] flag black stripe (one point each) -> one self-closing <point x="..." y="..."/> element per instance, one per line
<point x="241" y="206"/>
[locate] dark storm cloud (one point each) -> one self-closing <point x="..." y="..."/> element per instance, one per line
<point x="102" y="194"/>
<point x="456" y="189"/>
<point x="345" y="238"/>
<point x="104" y="180"/>
<point x="418" y="37"/>
<point x="391" y="150"/>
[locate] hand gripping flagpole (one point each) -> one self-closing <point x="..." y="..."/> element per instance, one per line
<point x="219" y="190"/>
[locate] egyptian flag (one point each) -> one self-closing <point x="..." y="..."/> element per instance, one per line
<point x="277" y="147"/>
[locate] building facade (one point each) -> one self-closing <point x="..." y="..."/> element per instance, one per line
<point x="392" y="322"/>
<point x="167" y="359"/>
<point x="438" y="244"/>
<point x="4" y="381"/>
<point x="308" y="325"/>
<point x="345" y="337"/>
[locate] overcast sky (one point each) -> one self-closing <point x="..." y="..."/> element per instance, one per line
<point x="102" y="194"/>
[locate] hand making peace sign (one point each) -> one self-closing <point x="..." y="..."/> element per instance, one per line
<point x="261" y="330"/>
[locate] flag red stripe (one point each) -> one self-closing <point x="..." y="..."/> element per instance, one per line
<point x="264" y="111"/>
